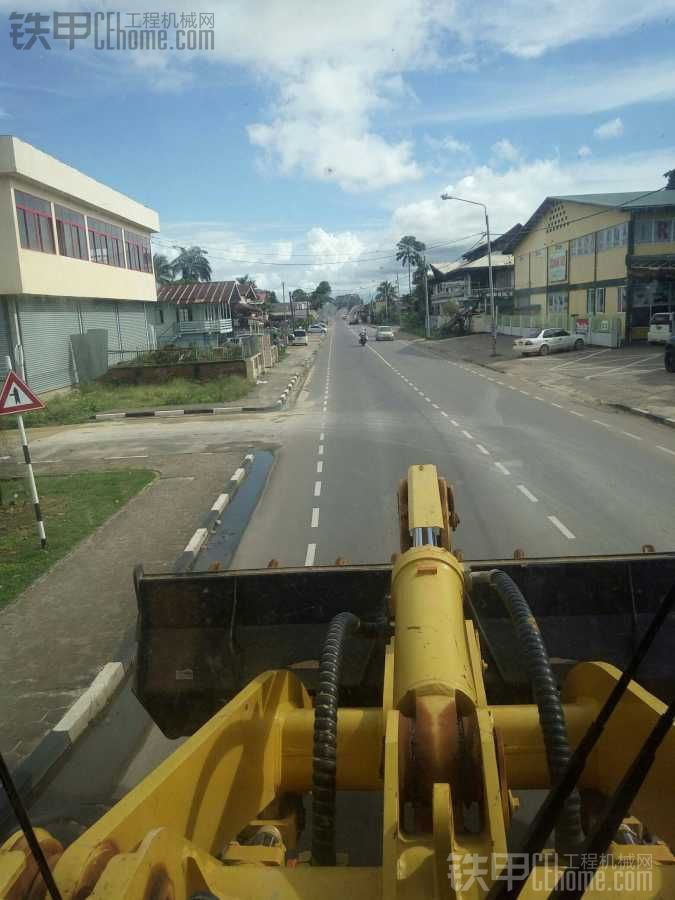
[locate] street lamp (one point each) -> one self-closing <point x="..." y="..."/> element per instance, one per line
<point x="489" y="249"/>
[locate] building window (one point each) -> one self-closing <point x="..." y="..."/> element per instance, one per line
<point x="184" y="313"/>
<point x="621" y="299"/>
<point x="557" y="303"/>
<point x="105" y="242"/>
<point x="595" y="301"/>
<point x="583" y="246"/>
<point x="651" y="231"/>
<point x="35" y="222"/>
<point x="139" y="254"/>
<point x="608" y="238"/>
<point x="71" y="233"/>
<point x="663" y="231"/>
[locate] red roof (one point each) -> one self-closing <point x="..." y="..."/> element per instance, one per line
<point x="196" y="292"/>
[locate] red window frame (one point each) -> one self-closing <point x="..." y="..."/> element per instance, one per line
<point x="144" y="254"/>
<point x="81" y="237"/>
<point x="25" y="211"/>
<point x="106" y="236"/>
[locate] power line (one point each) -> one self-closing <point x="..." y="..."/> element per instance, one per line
<point x="313" y="261"/>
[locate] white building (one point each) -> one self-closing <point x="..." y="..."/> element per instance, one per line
<point x="74" y="255"/>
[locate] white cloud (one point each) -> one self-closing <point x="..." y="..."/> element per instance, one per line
<point x="609" y="130"/>
<point x="505" y="150"/>
<point x="584" y="151"/>
<point x="449" y="143"/>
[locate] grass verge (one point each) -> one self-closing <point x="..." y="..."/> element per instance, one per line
<point x="82" y="404"/>
<point x="72" y="507"/>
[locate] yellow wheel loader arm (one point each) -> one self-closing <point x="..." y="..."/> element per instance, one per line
<point x="223" y="816"/>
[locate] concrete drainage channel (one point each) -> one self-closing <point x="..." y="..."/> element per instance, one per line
<point x="214" y="541"/>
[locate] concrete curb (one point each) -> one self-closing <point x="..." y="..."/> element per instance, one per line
<point x="208" y="411"/>
<point x="187" y="558"/>
<point x="644" y="413"/>
<point x="33" y="771"/>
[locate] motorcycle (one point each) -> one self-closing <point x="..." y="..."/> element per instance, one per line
<point x="363" y="339"/>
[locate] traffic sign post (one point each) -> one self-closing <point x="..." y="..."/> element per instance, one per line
<point x="16" y="398"/>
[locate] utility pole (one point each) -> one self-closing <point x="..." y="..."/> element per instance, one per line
<point x="427" y="322"/>
<point x="492" y="290"/>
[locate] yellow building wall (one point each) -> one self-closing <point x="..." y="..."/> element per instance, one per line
<point x="51" y="275"/>
<point x="572" y="220"/>
<point x="582" y="268"/>
<point x="522" y="270"/>
<point x="612" y="263"/>
<point x="10" y="274"/>
<point x="577" y="303"/>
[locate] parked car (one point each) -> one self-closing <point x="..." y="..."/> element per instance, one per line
<point x="550" y="340"/>
<point x="660" y="328"/>
<point x="384" y="333"/>
<point x="300" y="337"/>
<point x="669" y="355"/>
<point x="317" y="328"/>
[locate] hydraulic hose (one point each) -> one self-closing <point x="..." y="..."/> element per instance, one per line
<point x="325" y="739"/>
<point x="569" y="832"/>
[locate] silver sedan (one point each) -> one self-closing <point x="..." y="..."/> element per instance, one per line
<point x="550" y="340"/>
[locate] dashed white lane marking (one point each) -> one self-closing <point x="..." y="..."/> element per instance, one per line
<point x="528" y="494"/>
<point x="467" y="435"/>
<point x="135" y="456"/>
<point x="636" y="437"/>
<point x="315" y="517"/>
<point x="443" y="413"/>
<point x="604" y="424"/>
<point x="561" y="528"/>
<point x="573" y="412"/>
<point x="309" y="556"/>
<point x="526" y="393"/>
<point x="500" y="382"/>
<point x="428" y="399"/>
<point x="435" y="405"/>
<point x="321" y="436"/>
<point x="540" y="399"/>
<point x="556" y="404"/>
<point x="502" y="468"/>
<point x="665" y="449"/>
<point x="512" y="387"/>
<point x="456" y="424"/>
<point x="483" y="449"/>
<point x="320" y="449"/>
<point x="319" y="467"/>
<point x="317" y="488"/>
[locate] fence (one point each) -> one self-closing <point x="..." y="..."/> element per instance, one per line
<point x="600" y="330"/>
<point x="173" y="355"/>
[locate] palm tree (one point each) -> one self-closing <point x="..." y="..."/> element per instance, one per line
<point x="163" y="269"/>
<point x="385" y="291"/>
<point x="192" y="264"/>
<point x="409" y="253"/>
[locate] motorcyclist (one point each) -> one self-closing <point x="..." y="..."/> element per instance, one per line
<point x="363" y="336"/>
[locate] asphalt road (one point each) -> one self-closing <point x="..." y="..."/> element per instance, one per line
<point x="528" y="470"/>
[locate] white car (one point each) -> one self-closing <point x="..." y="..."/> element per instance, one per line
<point x="660" y="328"/>
<point x="550" y="340"/>
<point x="317" y="328"/>
<point x="384" y="333"/>
<point x="300" y="337"/>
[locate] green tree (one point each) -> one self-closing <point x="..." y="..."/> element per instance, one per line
<point x="192" y="264"/>
<point x="163" y="269"/>
<point x="246" y="279"/>
<point x="320" y="294"/>
<point x="409" y="253"/>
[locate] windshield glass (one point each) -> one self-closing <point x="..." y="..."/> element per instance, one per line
<point x="258" y="261"/>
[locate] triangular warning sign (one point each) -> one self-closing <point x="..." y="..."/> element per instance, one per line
<point x="17" y="397"/>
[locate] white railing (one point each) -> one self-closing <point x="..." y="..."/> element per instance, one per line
<point x="205" y="326"/>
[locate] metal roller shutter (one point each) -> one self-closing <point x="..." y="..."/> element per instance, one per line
<point x="5" y="337"/>
<point x="133" y="326"/>
<point x="101" y="314"/>
<point x="46" y="326"/>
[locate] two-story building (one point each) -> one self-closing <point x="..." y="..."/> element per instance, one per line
<point x="75" y="255"/>
<point x="598" y="264"/>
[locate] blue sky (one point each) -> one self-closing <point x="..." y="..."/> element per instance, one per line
<point x="311" y="138"/>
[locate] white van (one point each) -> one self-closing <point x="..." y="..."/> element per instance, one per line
<point x="300" y="337"/>
<point x="660" y="328"/>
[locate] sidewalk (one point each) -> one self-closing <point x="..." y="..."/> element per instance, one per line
<point x="59" y="633"/>
<point x="632" y="379"/>
<point x="266" y="394"/>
